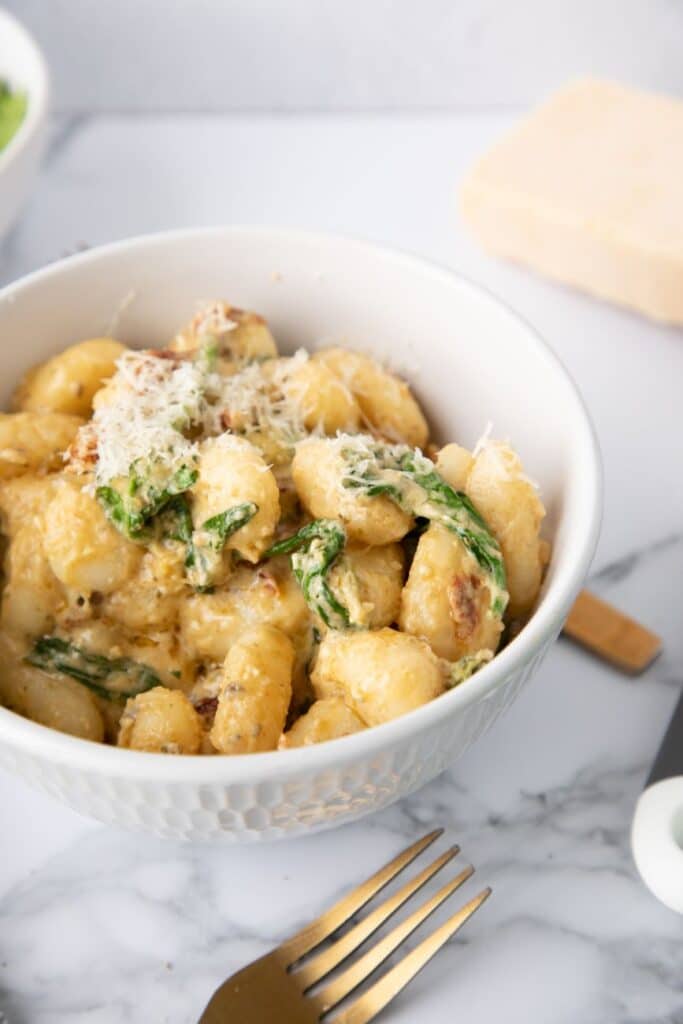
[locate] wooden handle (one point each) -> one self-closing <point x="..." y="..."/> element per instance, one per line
<point x="611" y="635"/>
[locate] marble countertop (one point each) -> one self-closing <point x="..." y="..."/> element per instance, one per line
<point x="101" y="926"/>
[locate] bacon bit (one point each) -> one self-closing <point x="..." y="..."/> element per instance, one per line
<point x="207" y="707"/>
<point x="463" y="598"/>
<point x="234" y="314"/>
<point x="225" y="419"/>
<point x="217" y="319"/>
<point x="81" y="455"/>
<point x="168" y="353"/>
<point x="268" y="580"/>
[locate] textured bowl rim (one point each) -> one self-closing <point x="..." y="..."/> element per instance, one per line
<point x="37" y="92"/>
<point x="48" y="744"/>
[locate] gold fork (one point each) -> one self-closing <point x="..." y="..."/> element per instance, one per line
<point x="276" y="988"/>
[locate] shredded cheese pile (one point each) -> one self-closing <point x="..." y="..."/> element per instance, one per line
<point x="213" y="320"/>
<point x="154" y="400"/>
<point x="256" y="400"/>
<point x="157" y="398"/>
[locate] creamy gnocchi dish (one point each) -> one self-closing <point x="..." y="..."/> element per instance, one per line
<point x="214" y="549"/>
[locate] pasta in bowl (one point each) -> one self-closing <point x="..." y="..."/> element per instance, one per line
<point x="233" y="536"/>
<point x="221" y="544"/>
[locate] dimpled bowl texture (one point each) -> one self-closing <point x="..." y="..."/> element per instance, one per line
<point x="469" y="359"/>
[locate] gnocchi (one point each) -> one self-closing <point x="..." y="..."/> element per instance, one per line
<point x="61" y="704"/>
<point x="326" y="403"/>
<point x="34" y="441"/>
<point x="371" y="579"/>
<point x="67" y="383"/>
<point x="386" y="401"/>
<point x="22" y="501"/>
<point x="214" y="549"/>
<point x="328" y="719"/>
<point x="238" y="335"/>
<point x="318" y="473"/>
<point x="83" y="549"/>
<point x="444" y="599"/>
<point x="160" y="721"/>
<point x="232" y="472"/>
<point x="510" y="503"/>
<point x="380" y="674"/>
<point x="211" y="623"/>
<point x="255" y="692"/>
<point x="32" y="593"/>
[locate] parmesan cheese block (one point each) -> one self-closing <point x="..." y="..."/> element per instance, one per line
<point x="589" y="190"/>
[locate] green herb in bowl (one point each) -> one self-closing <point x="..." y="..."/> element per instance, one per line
<point x="12" y="112"/>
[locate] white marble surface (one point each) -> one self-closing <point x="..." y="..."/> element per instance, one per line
<point x="325" y="55"/>
<point x="101" y="926"/>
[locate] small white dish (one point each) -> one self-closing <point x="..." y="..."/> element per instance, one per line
<point x="470" y="360"/>
<point x="657" y="840"/>
<point x="23" y="66"/>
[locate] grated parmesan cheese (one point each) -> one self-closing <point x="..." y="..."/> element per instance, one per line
<point x="155" y="399"/>
<point x="213" y="319"/>
<point x="484" y="439"/>
<point x="255" y="401"/>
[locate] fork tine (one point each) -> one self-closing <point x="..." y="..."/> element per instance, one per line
<point x="363" y="968"/>
<point x="315" y="969"/>
<point x="383" y="991"/>
<point x="315" y="932"/>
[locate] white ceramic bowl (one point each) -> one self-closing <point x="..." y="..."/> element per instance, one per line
<point x="22" y="64"/>
<point x="470" y="360"/>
